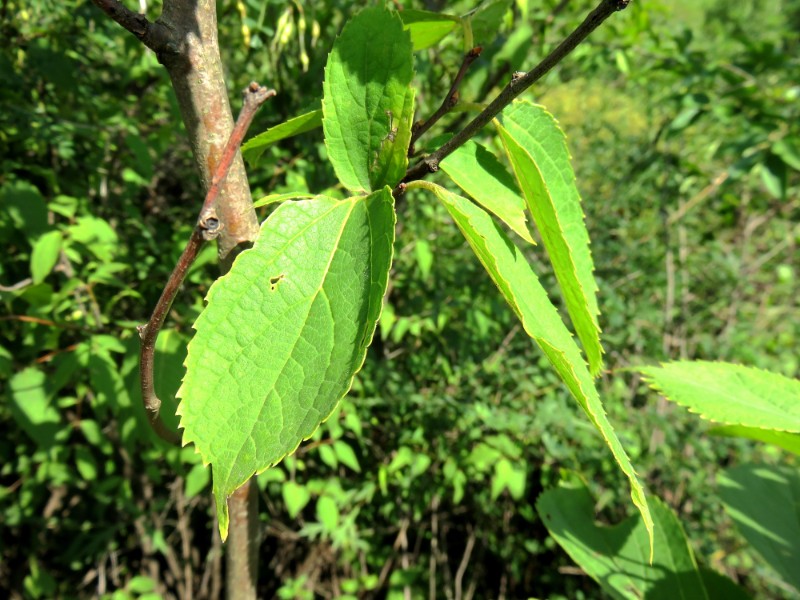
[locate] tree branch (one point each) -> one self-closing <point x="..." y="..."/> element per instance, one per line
<point x="450" y="100"/>
<point x="155" y="36"/>
<point x="518" y="84"/>
<point x="208" y="227"/>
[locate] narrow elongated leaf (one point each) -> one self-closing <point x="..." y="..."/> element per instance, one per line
<point x="284" y="333"/>
<point x="253" y="148"/>
<point x="477" y="171"/>
<point x="427" y="28"/>
<point x="538" y="152"/>
<point x="513" y="276"/>
<point x="368" y="102"/>
<point x="730" y="394"/>
<point x="764" y="502"/>
<point x="617" y="557"/>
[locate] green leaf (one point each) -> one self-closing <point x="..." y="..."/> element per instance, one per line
<point x="32" y="408"/>
<point x="538" y="152"/>
<point x="45" y="255"/>
<point x="617" y="557"/>
<point x="789" y="150"/>
<point x="477" y="171"/>
<point x="284" y="333"/>
<point x="25" y="206"/>
<point x="368" y="102"/>
<point x="764" y="502"/>
<point x="275" y="198"/>
<point x="512" y="274"/>
<point x="510" y="476"/>
<point x="774" y="176"/>
<point x="487" y="19"/>
<point x="197" y="480"/>
<point x="730" y="394"/>
<point x="97" y="235"/>
<point x="427" y="28"/>
<point x="346" y="455"/>
<point x="296" y="497"/>
<point x="788" y="441"/>
<point x="253" y="148"/>
<point x="328" y="513"/>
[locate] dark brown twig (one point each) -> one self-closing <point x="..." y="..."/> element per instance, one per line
<point x="155" y="36"/>
<point x="450" y="100"/>
<point x="518" y="84"/>
<point x="208" y="227"/>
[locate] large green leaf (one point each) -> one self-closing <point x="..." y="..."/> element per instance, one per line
<point x="477" y="171"/>
<point x="512" y="274"/>
<point x="284" y="333"/>
<point x="427" y="28"/>
<point x="368" y="101"/>
<point x="539" y="156"/>
<point x="729" y="393"/>
<point x="253" y="148"/>
<point x="617" y="557"/>
<point x="764" y="502"/>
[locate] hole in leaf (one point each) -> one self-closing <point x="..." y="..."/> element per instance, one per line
<point x="274" y="281"/>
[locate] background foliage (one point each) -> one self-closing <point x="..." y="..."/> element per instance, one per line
<point x="682" y="121"/>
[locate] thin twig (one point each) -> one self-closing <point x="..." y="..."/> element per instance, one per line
<point x="450" y="100"/>
<point x="208" y="227"/>
<point x="16" y="286"/>
<point x="518" y="84"/>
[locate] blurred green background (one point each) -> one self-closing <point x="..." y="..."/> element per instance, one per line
<point x="683" y="124"/>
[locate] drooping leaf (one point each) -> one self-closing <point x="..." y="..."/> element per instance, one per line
<point x="764" y="502"/>
<point x="730" y="394"/>
<point x="253" y="148"/>
<point x="284" y="333"/>
<point x="474" y="169"/>
<point x="520" y="287"/>
<point x="427" y="28"/>
<point x="539" y="156"/>
<point x="788" y="441"/>
<point x="617" y="557"/>
<point x="368" y="101"/>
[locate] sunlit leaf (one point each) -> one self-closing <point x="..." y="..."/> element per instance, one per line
<point x="368" y="101"/>
<point x="520" y="287"/>
<point x="538" y="152"/>
<point x="284" y="333"/>
<point x="730" y="394"/>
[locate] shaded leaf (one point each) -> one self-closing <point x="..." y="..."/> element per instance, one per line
<point x="368" y="102"/>
<point x="617" y="556"/>
<point x="539" y="156"/>
<point x="788" y="441"/>
<point x="284" y="333"/>
<point x="764" y="502"/>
